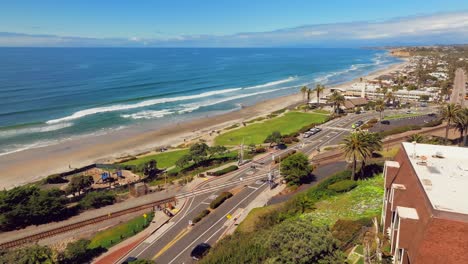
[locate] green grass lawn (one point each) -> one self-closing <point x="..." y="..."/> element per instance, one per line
<point x="165" y="159"/>
<point x="108" y="238"/>
<point x="363" y="201"/>
<point x="256" y="133"/>
<point x="397" y="116"/>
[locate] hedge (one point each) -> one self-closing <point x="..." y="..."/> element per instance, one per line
<point x="200" y="216"/>
<point x="225" y="170"/>
<point x="220" y="199"/>
<point x="342" y="186"/>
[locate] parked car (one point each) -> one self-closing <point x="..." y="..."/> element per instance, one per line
<point x="306" y="135"/>
<point x="385" y="122"/>
<point x="200" y="251"/>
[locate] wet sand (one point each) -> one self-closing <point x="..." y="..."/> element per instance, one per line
<point x="31" y="165"/>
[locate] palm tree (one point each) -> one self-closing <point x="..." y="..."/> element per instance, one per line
<point x="461" y="124"/>
<point x="418" y="138"/>
<point x="337" y="99"/>
<point x="309" y="91"/>
<point x="319" y="88"/>
<point x="360" y="145"/>
<point x="449" y="113"/>
<point x="304" y="91"/>
<point x="380" y="107"/>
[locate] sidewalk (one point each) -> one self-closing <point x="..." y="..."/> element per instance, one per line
<point x="120" y="250"/>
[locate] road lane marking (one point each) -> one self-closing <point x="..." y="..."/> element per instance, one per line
<point x="170" y="244"/>
<point x="222" y="218"/>
<point x="251" y="187"/>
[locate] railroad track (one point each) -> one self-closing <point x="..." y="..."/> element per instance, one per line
<point x="67" y="228"/>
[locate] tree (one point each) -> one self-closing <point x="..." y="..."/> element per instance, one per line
<point x="274" y="138"/>
<point x="309" y="91"/>
<point x="461" y="124"/>
<point x="183" y="161"/>
<point x="142" y="261"/>
<point x="216" y="150"/>
<point x="295" y="168"/>
<point x="319" y="88"/>
<point x="29" y="255"/>
<point x="79" y="252"/>
<point x="97" y="199"/>
<point x="198" y="152"/>
<point x="150" y="169"/>
<point x="337" y="99"/>
<point x="303" y="202"/>
<point x="418" y="138"/>
<point x="298" y="241"/>
<point x="449" y="113"/>
<point x="380" y="107"/>
<point x="79" y="183"/>
<point x="360" y="145"/>
<point x="304" y="91"/>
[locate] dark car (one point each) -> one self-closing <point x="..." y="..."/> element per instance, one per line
<point x="129" y="260"/>
<point x="200" y="251"/>
<point x="385" y="122"/>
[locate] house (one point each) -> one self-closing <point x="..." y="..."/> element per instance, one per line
<point x="425" y="204"/>
<point x="352" y="103"/>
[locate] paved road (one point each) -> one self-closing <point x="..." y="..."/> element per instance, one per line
<point x="459" y="88"/>
<point x="174" y="244"/>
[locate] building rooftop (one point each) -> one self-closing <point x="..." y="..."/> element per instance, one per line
<point x="443" y="172"/>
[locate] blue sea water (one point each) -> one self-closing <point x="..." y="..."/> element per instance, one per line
<point x="54" y="94"/>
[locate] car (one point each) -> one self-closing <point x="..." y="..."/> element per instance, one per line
<point x="129" y="260"/>
<point x="306" y="135"/>
<point x="200" y="250"/>
<point x="385" y="122"/>
<point x="431" y="114"/>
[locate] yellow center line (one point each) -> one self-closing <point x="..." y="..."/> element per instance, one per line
<point x="170" y="244"/>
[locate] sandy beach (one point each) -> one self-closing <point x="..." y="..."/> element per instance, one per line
<point x="31" y="165"/>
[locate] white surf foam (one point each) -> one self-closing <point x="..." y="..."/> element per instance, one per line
<point x="34" y="129"/>
<point x="194" y="106"/>
<point x="148" y="114"/>
<point x="289" y="79"/>
<point x="151" y="102"/>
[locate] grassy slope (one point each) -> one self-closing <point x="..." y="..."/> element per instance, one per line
<point x="397" y="116"/>
<point x="363" y="201"/>
<point x="108" y="238"/>
<point x="256" y="133"/>
<point x="165" y="159"/>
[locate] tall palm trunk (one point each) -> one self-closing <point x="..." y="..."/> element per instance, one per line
<point x="446" y="133"/>
<point x="353" y="176"/>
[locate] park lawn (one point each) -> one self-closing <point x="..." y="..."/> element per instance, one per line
<point x="398" y="116"/>
<point x="164" y="160"/>
<point x="257" y="133"/>
<point x="363" y="201"/>
<point x="108" y="238"/>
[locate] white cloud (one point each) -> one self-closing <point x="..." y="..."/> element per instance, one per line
<point x="429" y="29"/>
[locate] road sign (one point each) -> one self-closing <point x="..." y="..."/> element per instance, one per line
<point x="228" y="216"/>
<point x="190" y="222"/>
<point x="145" y="215"/>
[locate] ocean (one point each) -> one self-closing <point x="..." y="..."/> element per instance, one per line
<point x="49" y="95"/>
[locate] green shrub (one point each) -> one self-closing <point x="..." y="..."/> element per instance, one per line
<point x="97" y="199"/>
<point x="56" y="178"/>
<point x="225" y="170"/>
<point x="220" y="199"/>
<point x="346" y="231"/>
<point x="200" y="216"/>
<point x="342" y="186"/>
<point x="433" y="123"/>
<point x="260" y="150"/>
<point x="373" y="121"/>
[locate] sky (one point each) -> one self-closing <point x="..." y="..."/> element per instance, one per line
<point x="238" y="23"/>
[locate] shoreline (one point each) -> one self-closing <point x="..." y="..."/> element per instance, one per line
<point x="31" y="165"/>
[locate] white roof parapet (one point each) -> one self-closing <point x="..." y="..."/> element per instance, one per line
<point x="407" y="213"/>
<point x="391" y="163"/>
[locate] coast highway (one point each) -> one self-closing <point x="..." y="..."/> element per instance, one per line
<point x="459" y="88"/>
<point x="174" y="241"/>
